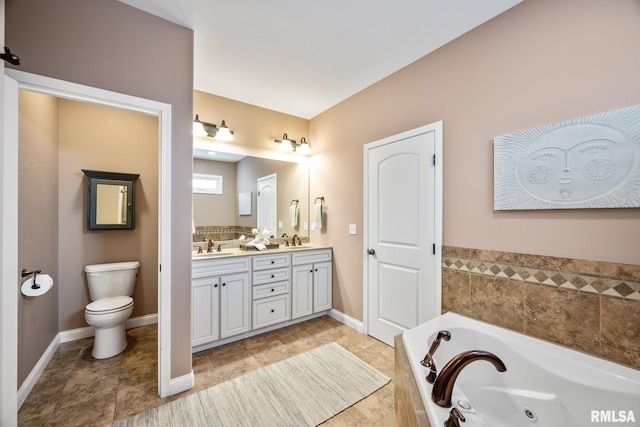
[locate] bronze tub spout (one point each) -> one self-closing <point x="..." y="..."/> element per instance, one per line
<point x="443" y="386"/>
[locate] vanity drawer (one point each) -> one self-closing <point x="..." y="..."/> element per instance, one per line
<point x="263" y="262"/>
<point x="268" y="276"/>
<point x="311" y="256"/>
<point x="271" y="289"/>
<point x="269" y="311"/>
<point x="209" y="267"/>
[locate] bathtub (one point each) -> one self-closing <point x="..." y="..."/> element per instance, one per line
<point x="544" y="385"/>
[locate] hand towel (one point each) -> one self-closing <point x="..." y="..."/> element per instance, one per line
<point x="293" y="211"/>
<point x="317" y="215"/>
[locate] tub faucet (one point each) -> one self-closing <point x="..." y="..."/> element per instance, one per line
<point x="443" y="385"/>
<point x="428" y="361"/>
<point x="293" y="240"/>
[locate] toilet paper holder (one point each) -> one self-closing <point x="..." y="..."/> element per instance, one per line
<point x="26" y="273"/>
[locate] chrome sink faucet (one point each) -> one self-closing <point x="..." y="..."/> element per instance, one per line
<point x="428" y="361"/>
<point x="443" y="385"/>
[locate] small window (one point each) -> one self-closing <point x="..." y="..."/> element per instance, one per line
<point x="207" y="184"/>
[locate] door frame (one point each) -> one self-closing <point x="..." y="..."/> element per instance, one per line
<point x="438" y="213"/>
<point x="9" y="267"/>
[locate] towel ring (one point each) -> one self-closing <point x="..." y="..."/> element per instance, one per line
<point x="321" y="199"/>
<point x="294" y="202"/>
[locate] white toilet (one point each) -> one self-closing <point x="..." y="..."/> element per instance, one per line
<point x="110" y="288"/>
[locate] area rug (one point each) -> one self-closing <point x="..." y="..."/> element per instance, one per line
<point x="304" y="390"/>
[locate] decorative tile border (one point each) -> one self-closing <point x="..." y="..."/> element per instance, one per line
<point x="618" y="288"/>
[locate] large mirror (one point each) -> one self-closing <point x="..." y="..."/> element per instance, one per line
<point x="232" y="209"/>
<point x="110" y="200"/>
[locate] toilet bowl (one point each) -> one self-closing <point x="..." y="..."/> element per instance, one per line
<point x="108" y="315"/>
<point x="110" y="287"/>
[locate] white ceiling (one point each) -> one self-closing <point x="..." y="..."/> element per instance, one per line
<point x="301" y="57"/>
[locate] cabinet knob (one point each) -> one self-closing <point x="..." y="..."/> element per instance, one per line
<point x="316" y="269"/>
<point x="272" y="290"/>
<point x="215" y="286"/>
<point x="273" y="262"/>
<point x="272" y="276"/>
<point x="273" y="311"/>
<point x="224" y="284"/>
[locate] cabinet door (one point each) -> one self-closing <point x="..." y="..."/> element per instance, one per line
<point x="301" y="290"/>
<point x="322" y="283"/>
<point x="206" y="315"/>
<point x="235" y="304"/>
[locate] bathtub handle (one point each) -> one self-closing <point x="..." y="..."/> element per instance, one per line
<point x="455" y="416"/>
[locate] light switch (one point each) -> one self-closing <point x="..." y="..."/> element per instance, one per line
<point x="352" y="229"/>
<point x="280" y="224"/>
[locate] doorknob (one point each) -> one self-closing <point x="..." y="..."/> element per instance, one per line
<point x="371" y="251"/>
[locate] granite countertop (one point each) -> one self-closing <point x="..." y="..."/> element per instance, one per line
<point x="236" y="252"/>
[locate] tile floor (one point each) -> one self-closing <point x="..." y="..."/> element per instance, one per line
<point x="77" y="390"/>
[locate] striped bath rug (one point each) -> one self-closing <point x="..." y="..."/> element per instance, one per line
<point x="304" y="390"/>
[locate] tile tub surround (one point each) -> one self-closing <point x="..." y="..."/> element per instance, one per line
<point x="410" y="409"/>
<point x="590" y="306"/>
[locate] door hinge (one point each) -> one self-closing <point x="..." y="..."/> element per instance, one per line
<point x="160" y="268"/>
<point x="434" y="160"/>
<point x="434" y="248"/>
<point x="258" y="192"/>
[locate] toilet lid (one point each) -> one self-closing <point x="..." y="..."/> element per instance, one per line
<point x="106" y="305"/>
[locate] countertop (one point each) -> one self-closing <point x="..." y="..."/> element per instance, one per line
<point x="236" y="252"/>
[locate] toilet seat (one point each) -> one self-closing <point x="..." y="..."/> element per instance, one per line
<point x="109" y="305"/>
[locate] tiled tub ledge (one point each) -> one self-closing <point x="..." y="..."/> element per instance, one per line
<point x="410" y="410"/>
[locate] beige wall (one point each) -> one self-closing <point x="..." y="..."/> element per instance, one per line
<point x="541" y="62"/>
<point x="216" y="209"/>
<point x="37" y="224"/>
<point x="253" y="126"/>
<point x="109" y="45"/>
<point x="106" y="139"/>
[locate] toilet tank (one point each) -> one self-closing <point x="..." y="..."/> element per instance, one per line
<point x="112" y="280"/>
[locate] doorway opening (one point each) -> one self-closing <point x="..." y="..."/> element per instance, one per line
<point x="15" y="81"/>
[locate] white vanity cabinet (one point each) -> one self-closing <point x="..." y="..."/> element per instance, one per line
<point x="271" y="286"/>
<point x="237" y="296"/>
<point x="221" y="298"/>
<point x="311" y="282"/>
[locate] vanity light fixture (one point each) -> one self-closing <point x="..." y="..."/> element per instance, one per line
<point x="288" y="144"/>
<point x="304" y="146"/>
<point x="222" y="133"/>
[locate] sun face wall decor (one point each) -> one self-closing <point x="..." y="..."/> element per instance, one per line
<point x="589" y="162"/>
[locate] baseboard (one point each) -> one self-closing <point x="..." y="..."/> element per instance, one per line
<point x="68" y="336"/>
<point x="347" y="320"/>
<point x="88" y="331"/>
<point x="37" y="370"/>
<point x="183" y="383"/>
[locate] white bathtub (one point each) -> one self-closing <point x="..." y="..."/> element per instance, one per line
<point x="545" y="385"/>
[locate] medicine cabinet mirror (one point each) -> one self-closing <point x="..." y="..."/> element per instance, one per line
<point x="110" y="200"/>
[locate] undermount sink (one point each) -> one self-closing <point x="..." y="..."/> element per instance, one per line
<point x="211" y="254"/>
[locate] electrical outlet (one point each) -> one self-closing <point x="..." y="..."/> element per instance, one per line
<point x="352" y="229"/>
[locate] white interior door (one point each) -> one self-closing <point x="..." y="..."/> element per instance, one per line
<point x="403" y="226"/>
<point x="267" y="197"/>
